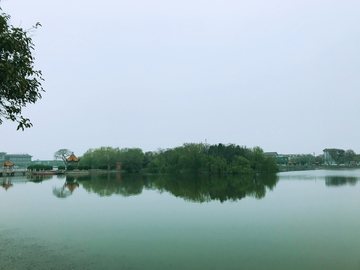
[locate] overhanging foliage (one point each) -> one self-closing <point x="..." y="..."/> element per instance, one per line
<point x="20" y="83"/>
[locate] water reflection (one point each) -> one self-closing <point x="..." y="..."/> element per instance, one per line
<point x="195" y="188"/>
<point x="109" y="184"/>
<point x="39" y="178"/>
<point x="205" y="188"/>
<point x="331" y="178"/>
<point x="340" y="180"/>
<point x="6" y="183"/>
<point x="67" y="189"/>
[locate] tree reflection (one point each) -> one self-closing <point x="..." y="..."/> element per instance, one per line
<point x="204" y="188"/>
<point x="61" y="192"/>
<point x="340" y="180"/>
<point x="195" y="188"/>
<point x="67" y="189"/>
<point x="109" y="184"/>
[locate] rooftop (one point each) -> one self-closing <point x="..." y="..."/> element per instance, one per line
<point x="332" y="149"/>
<point x="72" y="158"/>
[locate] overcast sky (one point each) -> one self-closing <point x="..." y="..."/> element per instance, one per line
<point x="282" y="75"/>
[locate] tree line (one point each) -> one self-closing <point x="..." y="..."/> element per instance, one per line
<point x="342" y="157"/>
<point x="188" y="158"/>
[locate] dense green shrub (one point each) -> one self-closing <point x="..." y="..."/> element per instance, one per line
<point x="132" y="159"/>
<point x="240" y="165"/>
<point x="84" y="167"/>
<point x="61" y="167"/>
<point x="39" y="167"/>
<point x="269" y="165"/>
<point x="70" y="167"/>
<point x="103" y="167"/>
<point x="217" y="165"/>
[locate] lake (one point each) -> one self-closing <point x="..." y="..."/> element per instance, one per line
<point x="291" y="220"/>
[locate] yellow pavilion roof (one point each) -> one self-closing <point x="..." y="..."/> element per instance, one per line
<point x="72" y="158"/>
<point x="8" y="164"/>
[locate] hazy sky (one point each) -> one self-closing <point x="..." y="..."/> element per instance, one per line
<point x="282" y="75"/>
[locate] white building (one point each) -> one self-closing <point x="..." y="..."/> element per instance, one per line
<point x="332" y="156"/>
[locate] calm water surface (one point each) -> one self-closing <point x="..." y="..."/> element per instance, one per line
<point x="293" y="220"/>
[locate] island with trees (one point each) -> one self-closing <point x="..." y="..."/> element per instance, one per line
<point x="188" y="158"/>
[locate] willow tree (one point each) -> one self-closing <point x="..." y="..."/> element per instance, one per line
<point x="20" y="83"/>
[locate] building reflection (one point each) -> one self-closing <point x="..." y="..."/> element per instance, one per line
<point x="67" y="188"/>
<point x="39" y="178"/>
<point x="71" y="184"/>
<point x="6" y="183"/>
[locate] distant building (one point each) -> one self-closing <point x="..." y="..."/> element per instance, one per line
<point x="2" y="157"/>
<point x="20" y="160"/>
<point x="280" y="159"/>
<point x="54" y="163"/>
<point x="271" y="154"/>
<point x="333" y="156"/>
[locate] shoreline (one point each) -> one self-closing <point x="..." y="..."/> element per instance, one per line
<point x="315" y="167"/>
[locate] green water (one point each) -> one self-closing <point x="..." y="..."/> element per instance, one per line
<point x="293" y="220"/>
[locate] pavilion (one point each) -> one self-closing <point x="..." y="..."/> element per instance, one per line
<point x="8" y="165"/>
<point x="73" y="159"/>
